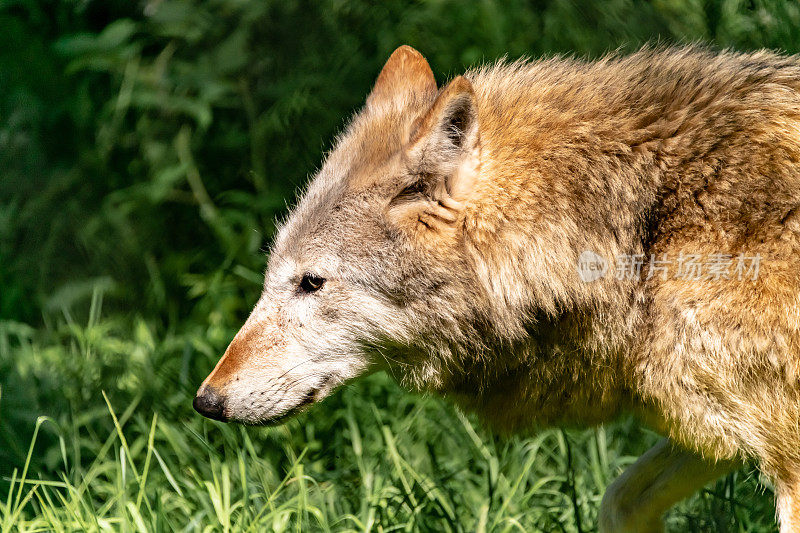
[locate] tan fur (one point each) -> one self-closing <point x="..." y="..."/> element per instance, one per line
<point x="664" y="475"/>
<point x="448" y="226"/>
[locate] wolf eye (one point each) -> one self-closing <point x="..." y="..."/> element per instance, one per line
<point x="311" y="283"/>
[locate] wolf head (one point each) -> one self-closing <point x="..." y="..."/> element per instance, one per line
<point x="369" y="272"/>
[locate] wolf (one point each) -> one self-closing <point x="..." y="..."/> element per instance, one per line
<point x="556" y="242"/>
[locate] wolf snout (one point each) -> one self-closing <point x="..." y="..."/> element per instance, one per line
<point x="210" y="403"/>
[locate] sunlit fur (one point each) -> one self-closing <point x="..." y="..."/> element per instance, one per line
<point x="448" y="224"/>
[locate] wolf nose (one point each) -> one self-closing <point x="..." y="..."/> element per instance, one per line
<point x="209" y="403"/>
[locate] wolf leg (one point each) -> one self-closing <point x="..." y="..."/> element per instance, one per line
<point x="788" y="495"/>
<point x="661" y="477"/>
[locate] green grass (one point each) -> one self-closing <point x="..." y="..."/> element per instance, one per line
<point x="371" y="458"/>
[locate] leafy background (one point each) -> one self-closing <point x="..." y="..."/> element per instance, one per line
<point x="146" y="149"/>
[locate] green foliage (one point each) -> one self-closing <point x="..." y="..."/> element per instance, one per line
<point x="146" y="150"/>
<point x="411" y="464"/>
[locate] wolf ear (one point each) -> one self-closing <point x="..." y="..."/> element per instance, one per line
<point x="445" y="146"/>
<point x="405" y="74"/>
<point x="443" y="160"/>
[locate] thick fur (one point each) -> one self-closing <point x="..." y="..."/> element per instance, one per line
<point x="448" y="225"/>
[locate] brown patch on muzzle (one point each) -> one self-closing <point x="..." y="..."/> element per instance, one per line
<point x="240" y="351"/>
<point x="247" y="354"/>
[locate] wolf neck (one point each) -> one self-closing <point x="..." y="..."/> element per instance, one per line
<point x="564" y="170"/>
<point x="554" y="185"/>
<point x="581" y="157"/>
